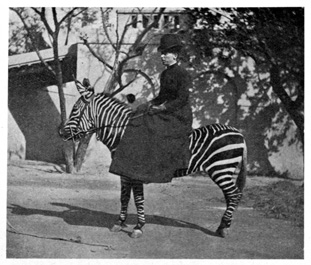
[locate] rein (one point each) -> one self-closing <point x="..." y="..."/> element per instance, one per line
<point x="87" y="102"/>
<point x="104" y="126"/>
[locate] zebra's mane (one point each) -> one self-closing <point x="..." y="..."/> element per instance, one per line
<point x="112" y="124"/>
<point x="116" y="100"/>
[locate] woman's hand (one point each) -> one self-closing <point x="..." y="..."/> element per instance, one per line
<point x="149" y="108"/>
<point x="153" y="109"/>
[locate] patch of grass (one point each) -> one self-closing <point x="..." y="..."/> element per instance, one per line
<point x="281" y="200"/>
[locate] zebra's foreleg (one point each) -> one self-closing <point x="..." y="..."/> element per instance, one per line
<point x="126" y="187"/>
<point x="138" y="191"/>
<point x="233" y="196"/>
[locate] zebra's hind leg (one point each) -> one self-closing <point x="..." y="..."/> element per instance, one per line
<point x="233" y="196"/>
<point x="138" y="191"/>
<point x="126" y="188"/>
<point x="232" y="200"/>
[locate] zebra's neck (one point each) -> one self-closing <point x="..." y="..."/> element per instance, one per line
<point x="111" y="118"/>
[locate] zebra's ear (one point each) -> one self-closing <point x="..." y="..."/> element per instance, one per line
<point x="85" y="92"/>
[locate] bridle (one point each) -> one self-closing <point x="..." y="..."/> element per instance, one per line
<point x="72" y="134"/>
<point x="92" y="130"/>
<point x="87" y="102"/>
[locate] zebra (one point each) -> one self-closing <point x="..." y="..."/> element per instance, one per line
<point x="216" y="149"/>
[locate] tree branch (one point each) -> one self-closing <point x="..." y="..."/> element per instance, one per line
<point x="277" y="87"/>
<point x="137" y="72"/>
<point x="55" y="19"/>
<point x="70" y="14"/>
<point x="85" y="42"/>
<point x="147" y="29"/>
<point x="33" y="41"/>
<point x="43" y="18"/>
<point x="300" y="98"/>
<point x="124" y="32"/>
<point x="137" y="48"/>
<point x="286" y="100"/>
<point x="105" y="29"/>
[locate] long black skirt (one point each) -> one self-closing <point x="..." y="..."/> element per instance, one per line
<point x="153" y="147"/>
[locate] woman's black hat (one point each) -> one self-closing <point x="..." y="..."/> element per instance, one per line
<point x="169" y="41"/>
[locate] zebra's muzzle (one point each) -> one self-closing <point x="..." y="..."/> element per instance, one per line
<point x="68" y="133"/>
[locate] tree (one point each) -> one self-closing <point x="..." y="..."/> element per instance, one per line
<point x="36" y="21"/>
<point x="118" y="68"/>
<point x="55" y="69"/>
<point x="272" y="37"/>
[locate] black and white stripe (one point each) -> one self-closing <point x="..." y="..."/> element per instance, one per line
<point x="217" y="150"/>
<point x="127" y="185"/>
<point x="110" y="118"/>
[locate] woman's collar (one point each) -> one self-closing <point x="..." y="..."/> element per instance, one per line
<point x="171" y="66"/>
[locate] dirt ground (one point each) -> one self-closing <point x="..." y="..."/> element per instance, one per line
<point x="60" y="216"/>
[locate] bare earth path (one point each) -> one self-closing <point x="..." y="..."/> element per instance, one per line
<point x="181" y="218"/>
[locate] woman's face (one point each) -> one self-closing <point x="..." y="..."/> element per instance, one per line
<point x="168" y="58"/>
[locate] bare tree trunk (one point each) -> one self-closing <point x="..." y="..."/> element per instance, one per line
<point x="289" y="105"/>
<point x="68" y="148"/>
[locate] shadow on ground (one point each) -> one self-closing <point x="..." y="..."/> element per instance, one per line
<point x="75" y="215"/>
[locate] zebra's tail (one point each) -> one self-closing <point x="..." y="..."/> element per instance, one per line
<point x="241" y="179"/>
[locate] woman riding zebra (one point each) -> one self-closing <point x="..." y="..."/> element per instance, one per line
<point x="167" y="119"/>
<point x="157" y="143"/>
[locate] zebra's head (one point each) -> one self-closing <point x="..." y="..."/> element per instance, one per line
<point x="79" y="122"/>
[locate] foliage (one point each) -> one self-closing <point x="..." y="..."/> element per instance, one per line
<point x="281" y="200"/>
<point x="20" y="40"/>
<point x="223" y="41"/>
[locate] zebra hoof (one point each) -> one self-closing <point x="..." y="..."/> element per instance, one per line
<point x="137" y="233"/>
<point x="222" y="232"/>
<point x="117" y="227"/>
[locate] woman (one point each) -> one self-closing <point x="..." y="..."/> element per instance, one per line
<point x="156" y="143"/>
